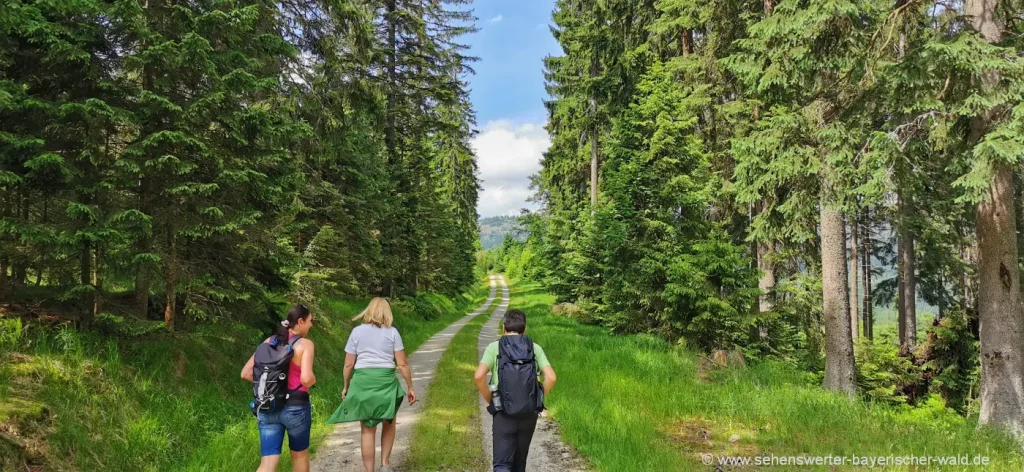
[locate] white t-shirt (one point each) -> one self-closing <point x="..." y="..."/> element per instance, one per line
<point x="374" y="346"/>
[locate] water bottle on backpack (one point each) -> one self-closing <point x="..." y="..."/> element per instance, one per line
<point x="496" y="398"/>
<point x="270" y="374"/>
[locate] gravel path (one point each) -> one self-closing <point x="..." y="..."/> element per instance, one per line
<point x="547" y="451"/>
<point x="340" y="451"/>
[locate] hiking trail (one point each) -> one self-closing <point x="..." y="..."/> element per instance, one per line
<point x="547" y="451"/>
<point x="340" y="450"/>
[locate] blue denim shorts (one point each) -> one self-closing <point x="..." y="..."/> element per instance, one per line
<point x="293" y="419"/>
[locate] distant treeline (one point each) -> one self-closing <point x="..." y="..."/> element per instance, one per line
<point x="494" y="229"/>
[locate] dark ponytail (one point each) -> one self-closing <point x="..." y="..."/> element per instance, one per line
<point x="298" y="312"/>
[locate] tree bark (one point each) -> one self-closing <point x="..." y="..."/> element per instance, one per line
<point x="172" y="278"/>
<point x="769" y="7"/>
<point x="868" y="322"/>
<point x="854" y="280"/>
<point x="999" y="297"/>
<point x="767" y="281"/>
<point x="839" y="361"/>
<point x="908" y="279"/>
<point x="19" y="272"/>
<point x="4" y="211"/>
<point x="85" y="278"/>
<point x="97" y="281"/>
<point x="144" y="245"/>
<point x="685" y="42"/>
<point x="392" y="82"/>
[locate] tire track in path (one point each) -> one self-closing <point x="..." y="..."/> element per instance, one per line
<point x="340" y="451"/>
<point x="547" y="451"/>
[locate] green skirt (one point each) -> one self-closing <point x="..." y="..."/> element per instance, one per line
<point x="374" y="395"/>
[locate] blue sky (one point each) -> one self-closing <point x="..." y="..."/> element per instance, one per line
<point x="507" y="92"/>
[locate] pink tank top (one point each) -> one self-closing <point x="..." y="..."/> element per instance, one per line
<point x="295" y="373"/>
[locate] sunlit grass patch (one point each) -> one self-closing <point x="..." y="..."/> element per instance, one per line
<point x="165" y="401"/>
<point x="636" y="403"/>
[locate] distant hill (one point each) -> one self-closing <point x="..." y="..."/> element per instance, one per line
<point x="494" y="228"/>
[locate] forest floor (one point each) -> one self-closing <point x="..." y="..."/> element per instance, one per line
<point x="637" y="403"/>
<point x="166" y="401"/>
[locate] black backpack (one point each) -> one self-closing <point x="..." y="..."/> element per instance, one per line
<point x="520" y="392"/>
<point x="270" y="374"/>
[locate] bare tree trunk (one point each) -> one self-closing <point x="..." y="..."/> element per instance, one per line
<point x="839" y="361"/>
<point x="172" y="278"/>
<point x="85" y="278"/>
<point x="769" y="7"/>
<point x="5" y="210"/>
<point x="593" y="164"/>
<point x="908" y="280"/>
<point x="767" y="281"/>
<point x="19" y="272"/>
<point x="685" y="42"/>
<point x="144" y="245"/>
<point x="868" y="322"/>
<point x="392" y="82"/>
<point x="854" y="280"/>
<point x="1002" y="320"/>
<point x="41" y="268"/>
<point x="97" y="281"/>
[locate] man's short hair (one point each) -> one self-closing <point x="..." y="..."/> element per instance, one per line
<point x="515" y="321"/>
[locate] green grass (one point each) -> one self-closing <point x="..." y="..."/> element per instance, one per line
<point x="636" y="403"/>
<point x="447" y="435"/>
<point x="167" y="401"/>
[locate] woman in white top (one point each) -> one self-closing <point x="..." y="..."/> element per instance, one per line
<point x="372" y="393"/>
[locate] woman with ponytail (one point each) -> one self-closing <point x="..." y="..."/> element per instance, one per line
<point x="295" y="418"/>
<point x="372" y="393"/>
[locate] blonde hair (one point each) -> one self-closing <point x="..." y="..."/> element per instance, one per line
<point x="378" y="312"/>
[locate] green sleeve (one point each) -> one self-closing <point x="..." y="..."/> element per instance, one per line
<point x="542" y="359"/>
<point x="490" y="356"/>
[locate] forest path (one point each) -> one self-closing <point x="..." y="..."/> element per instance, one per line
<point x="547" y="451"/>
<point x="340" y="451"/>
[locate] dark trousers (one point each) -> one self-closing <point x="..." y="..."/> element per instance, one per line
<point x="512" y="436"/>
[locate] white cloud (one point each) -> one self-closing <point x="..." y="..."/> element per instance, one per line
<point x="507" y="155"/>
<point x="496" y="19"/>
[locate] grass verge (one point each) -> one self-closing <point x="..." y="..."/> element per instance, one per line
<point x="447" y="435"/>
<point x="167" y="401"/>
<point x="635" y="403"/>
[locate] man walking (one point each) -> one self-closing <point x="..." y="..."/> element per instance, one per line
<point x="515" y="393"/>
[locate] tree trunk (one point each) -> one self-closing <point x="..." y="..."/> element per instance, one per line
<point x="999" y="297"/>
<point x="144" y="245"/>
<point x="392" y="82"/>
<point x="908" y="279"/>
<point x="685" y="42"/>
<point x="767" y="281"/>
<point x="19" y="272"/>
<point x="854" y="280"/>
<point x="41" y="268"/>
<point x="868" y="322"/>
<point x="97" y="281"/>
<point x="85" y="278"/>
<point x="839" y="361"/>
<point x="5" y="208"/>
<point x="172" y="279"/>
<point x="769" y="7"/>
